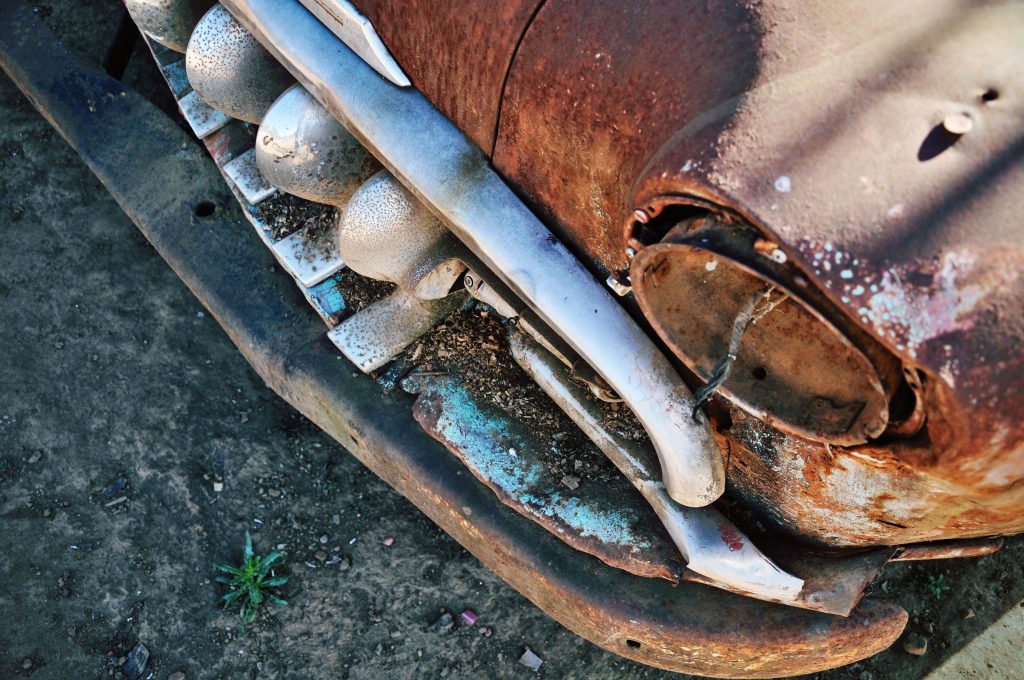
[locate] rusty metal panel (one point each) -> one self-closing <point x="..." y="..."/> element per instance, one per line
<point x="839" y="131"/>
<point x="455" y="53"/>
<point x="158" y="176"/>
<point x="597" y="88"/>
<point x="944" y="550"/>
<point x="888" y="163"/>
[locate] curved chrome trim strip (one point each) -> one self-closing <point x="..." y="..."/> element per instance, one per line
<point x="356" y="31"/>
<point x="451" y="175"/>
<point x="712" y="545"/>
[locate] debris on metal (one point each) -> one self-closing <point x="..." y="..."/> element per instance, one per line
<point x="230" y="70"/>
<point x="303" y="150"/>
<point x="168" y="22"/>
<point x="248" y="178"/>
<point x="310" y="254"/>
<point x="201" y="117"/>
<point x="610" y="521"/>
<point x="374" y="335"/>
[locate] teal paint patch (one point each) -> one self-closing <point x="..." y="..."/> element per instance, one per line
<point x="328" y="299"/>
<point x="612" y="522"/>
<point x="177" y="78"/>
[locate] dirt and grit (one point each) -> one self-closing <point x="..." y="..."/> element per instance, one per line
<point x="137" y="447"/>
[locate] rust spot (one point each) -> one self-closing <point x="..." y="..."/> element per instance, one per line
<point x="730" y="537"/>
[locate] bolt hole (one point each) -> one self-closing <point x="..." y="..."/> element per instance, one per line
<point x="205" y="209"/>
<point x="759" y="373"/>
<point x="990" y="95"/>
<point x="633" y="644"/>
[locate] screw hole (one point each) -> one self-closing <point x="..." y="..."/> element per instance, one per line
<point x="205" y="209"/>
<point x="633" y="643"/>
<point x="759" y="373"/>
<point x="990" y="95"/>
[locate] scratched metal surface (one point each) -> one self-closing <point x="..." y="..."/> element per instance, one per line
<point x="455" y="53"/>
<point x="158" y="177"/>
<point x="923" y="251"/>
<point x="817" y="123"/>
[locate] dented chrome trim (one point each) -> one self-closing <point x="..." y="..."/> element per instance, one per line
<point x="356" y="31"/>
<point x="451" y="175"/>
<point x="712" y="545"/>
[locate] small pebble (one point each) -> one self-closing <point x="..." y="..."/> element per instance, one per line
<point x="323" y="539"/>
<point x="388" y="541"/>
<point x="469" y="616"/>
<point x="531" y="660"/>
<point x="443" y="624"/>
<point x="218" y="487"/>
<point x="177" y="675"/>
<point x="915" y="644"/>
<point x="320" y="555"/>
<point x="570" y="481"/>
<point x="137" y="660"/>
<point x="967" y="613"/>
<point x="26" y="664"/>
<point x="35" y="458"/>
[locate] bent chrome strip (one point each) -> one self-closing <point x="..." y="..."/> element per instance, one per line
<point x="356" y="31"/>
<point x="451" y="175"/>
<point x="712" y="545"/>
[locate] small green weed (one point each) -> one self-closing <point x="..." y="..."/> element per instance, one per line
<point x="249" y="583"/>
<point x="937" y="585"/>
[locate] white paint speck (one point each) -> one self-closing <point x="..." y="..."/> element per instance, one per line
<point x="859" y="290"/>
<point x="783" y="184"/>
<point x="711" y="265"/>
<point x="846" y="274"/>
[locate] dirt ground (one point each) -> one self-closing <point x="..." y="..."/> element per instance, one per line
<point x="123" y="406"/>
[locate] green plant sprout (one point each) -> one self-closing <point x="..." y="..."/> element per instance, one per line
<point x="938" y="585"/>
<point x="249" y="583"/>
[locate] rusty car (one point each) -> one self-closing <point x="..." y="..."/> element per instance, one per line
<point x="744" y="284"/>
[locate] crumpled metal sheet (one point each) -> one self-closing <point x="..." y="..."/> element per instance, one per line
<point x="609" y="521"/>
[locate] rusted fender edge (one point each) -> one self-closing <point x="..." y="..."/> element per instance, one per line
<point x="158" y="175"/>
<point x="944" y="550"/>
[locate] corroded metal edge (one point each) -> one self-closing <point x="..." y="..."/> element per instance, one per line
<point x="688" y="628"/>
